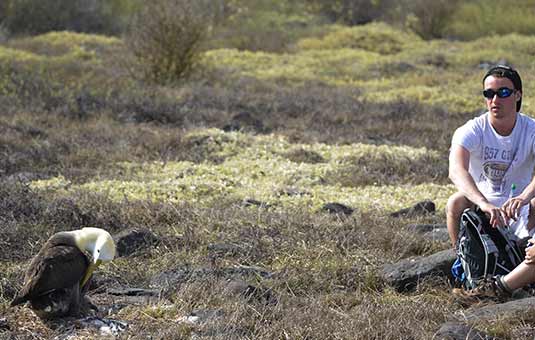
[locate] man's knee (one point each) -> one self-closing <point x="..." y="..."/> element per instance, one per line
<point x="531" y="215"/>
<point x="457" y="203"/>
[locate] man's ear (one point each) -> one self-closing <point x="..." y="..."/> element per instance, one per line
<point x="518" y="95"/>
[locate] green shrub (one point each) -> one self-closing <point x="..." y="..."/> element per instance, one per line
<point x="351" y="12"/>
<point x="374" y="37"/>
<point x="428" y="19"/>
<point x="263" y="25"/>
<point x="483" y="18"/>
<point x="35" y="17"/>
<point x="166" y="37"/>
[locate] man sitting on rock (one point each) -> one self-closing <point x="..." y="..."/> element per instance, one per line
<point x="491" y="162"/>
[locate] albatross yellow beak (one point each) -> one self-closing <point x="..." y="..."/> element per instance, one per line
<point x="89" y="272"/>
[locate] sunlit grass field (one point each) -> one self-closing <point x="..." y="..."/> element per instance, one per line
<point x="359" y="116"/>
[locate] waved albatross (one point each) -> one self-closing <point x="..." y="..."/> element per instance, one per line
<point x="55" y="281"/>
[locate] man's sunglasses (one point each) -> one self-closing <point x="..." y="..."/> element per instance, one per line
<point x="503" y="92"/>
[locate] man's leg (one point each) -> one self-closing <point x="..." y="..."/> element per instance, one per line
<point x="457" y="203"/>
<point x="521" y="276"/>
<point x="524" y="273"/>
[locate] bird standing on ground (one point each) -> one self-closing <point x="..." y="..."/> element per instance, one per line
<point x="57" y="277"/>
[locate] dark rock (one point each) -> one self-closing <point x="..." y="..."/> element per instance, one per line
<point x="249" y="202"/>
<point x="24" y="177"/>
<point x="172" y="279"/>
<point x="460" y="331"/>
<point x="424" y="228"/>
<point x="293" y="192"/>
<point x="133" y="240"/>
<point x="406" y="274"/>
<point x="251" y="293"/>
<point x="501" y="309"/>
<point x="205" y="315"/>
<point x="99" y="283"/>
<point x="304" y="156"/>
<point x="4" y="325"/>
<point x="437" y="60"/>
<point x="7" y="288"/>
<point x="107" y="327"/>
<point x="244" y="121"/>
<point x="437" y="235"/>
<point x="337" y="208"/>
<point x="133" y="292"/>
<point x="419" y="209"/>
<point x="224" y="249"/>
<point x="109" y="303"/>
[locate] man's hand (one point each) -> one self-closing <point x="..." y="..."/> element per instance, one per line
<point x="511" y="208"/>
<point x="530" y="252"/>
<point x="497" y="215"/>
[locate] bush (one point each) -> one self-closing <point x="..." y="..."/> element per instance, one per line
<point x="428" y="19"/>
<point x="350" y="12"/>
<point x="374" y="37"/>
<point x="483" y="18"/>
<point x="263" y="25"/>
<point x="166" y="37"/>
<point x="35" y="17"/>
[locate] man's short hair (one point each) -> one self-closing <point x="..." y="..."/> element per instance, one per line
<point x="504" y="71"/>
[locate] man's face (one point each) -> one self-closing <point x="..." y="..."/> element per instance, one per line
<point x="501" y="107"/>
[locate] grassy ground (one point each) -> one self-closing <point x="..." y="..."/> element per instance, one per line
<point x="358" y="116"/>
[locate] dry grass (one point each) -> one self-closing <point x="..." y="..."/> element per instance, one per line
<point x="87" y="154"/>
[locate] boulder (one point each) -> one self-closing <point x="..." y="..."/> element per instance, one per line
<point x="521" y="306"/>
<point x="431" y="232"/>
<point x="419" y="209"/>
<point x="437" y="235"/>
<point x="244" y="121"/>
<point x="4" y="325"/>
<point x="23" y="177"/>
<point x="250" y="202"/>
<point x="171" y="280"/>
<point x="337" y="208"/>
<point x="133" y="240"/>
<point x="224" y="249"/>
<point x="460" y="331"/>
<point x="406" y="274"/>
<point x="293" y="192"/>
<point x="424" y="228"/>
<point x="237" y="287"/>
<point x="202" y="316"/>
<point x="127" y="291"/>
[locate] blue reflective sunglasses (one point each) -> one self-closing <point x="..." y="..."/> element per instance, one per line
<point x="503" y="92"/>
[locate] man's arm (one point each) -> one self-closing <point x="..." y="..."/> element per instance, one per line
<point x="512" y="207"/>
<point x="463" y="181"/>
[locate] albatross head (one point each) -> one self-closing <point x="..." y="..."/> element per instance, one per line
<point x="99" y="243"/>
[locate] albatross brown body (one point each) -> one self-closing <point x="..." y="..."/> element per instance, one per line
<point x="52" y="281"/>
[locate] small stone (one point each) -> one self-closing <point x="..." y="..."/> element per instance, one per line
<point x="224" y="249"/>
<point x="4" y="324"/>
<point x="133" y="240"/>
<point x="337" y="208"/>
<point x="250" y="292"/>
<point x="460" y="331"/>
<point x="419" y="209"/>
<point x="437" y="235"/>
<point x="500" y="310"/>
<point x="249" y="202"/>
<point x="133" y="292"/>
<point x="405" y="274"/>
<point x="244" y="121"/>
<point x="424" y="228"/>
